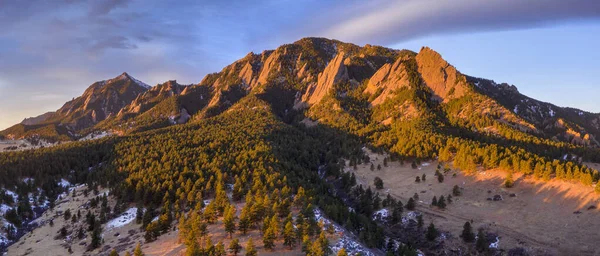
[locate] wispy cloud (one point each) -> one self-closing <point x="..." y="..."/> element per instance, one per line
<point x="388" y="22"/>
<point x="104" y="7"/>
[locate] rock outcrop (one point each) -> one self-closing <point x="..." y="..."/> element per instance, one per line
<point x="445" y="81"/>
<point x="386" y="80"/>
<point x="335" y="72"/>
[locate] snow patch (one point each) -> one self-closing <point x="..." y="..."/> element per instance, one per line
<point x="96" y="135"/>
<point x="4" y="208"/>
<point x="381" y="214"/>
<point x="172" y="120"/>
<point x="64" y="183"/>
<point x="13" y="194"/>
<point x="125" y="218"/>
<point x="495" y="244"/>
<point x="552" y="113"/>
<point x="347" y="242"/>
<point x="3" y="240"/>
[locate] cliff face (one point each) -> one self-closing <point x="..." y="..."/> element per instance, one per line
<point x="335" y="72"/>
<point x="445" y="81"/>
<point x="100" y="101"/>
<point x="387" y="80"/>
<point x="151" y="97"/>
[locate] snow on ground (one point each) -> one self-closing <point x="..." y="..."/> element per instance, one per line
<point x="425" y="164"/>
<point x="64" y="183"/>
<point x="495" y="244"/>
<point x="125" y="218"/>
<point x="516" y="110"/>
<point x="13" y="194"/>
<point x="145" y="85"/>
<point x="96" y="135"/>
<point x="381" y="215"/>
<point x="412" y="215"/>
<point x="3" y="240"/>
<point x="4" y="208"/>
<point x="172" y="120"/>
<point x="23" y="144"/>
<point x="552" y="113"/>
<point x="347" y="242"/>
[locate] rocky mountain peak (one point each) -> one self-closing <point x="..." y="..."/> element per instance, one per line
<point x="442" y="78"/>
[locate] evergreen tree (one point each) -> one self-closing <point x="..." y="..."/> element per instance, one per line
<point x="482" y="243"/>
<point x="410" y="205"/>
<point x="250" y="249"/>
<point x="269" y="236"/>
<point x="432" y="232"/>
<point x="378" y="182"/>
<point x="220" y="249"/>
<point x="467" y="233"/>
<point x="229" y="220"/>
<point x="441" y="202"/>
<point x="316" y="250"/>
<point x="234" y="246"/>
<point x="456" y="191"/>
<point x="324" y="243"/>
<point x="434" y="201"/>
<point x="342" y="252"/>
<point x="96" y="236"/>
<point x="289" y="235"/>
<point x="138" y="250"/>
<point x="508" y="181"/>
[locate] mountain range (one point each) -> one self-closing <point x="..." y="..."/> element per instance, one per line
<point x="306" y="72"/>
<point x="299" y="134"/>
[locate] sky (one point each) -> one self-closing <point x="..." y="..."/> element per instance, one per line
<point x="52" y="50"/>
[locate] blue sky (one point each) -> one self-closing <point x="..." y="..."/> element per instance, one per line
<point x="50" y="51"/>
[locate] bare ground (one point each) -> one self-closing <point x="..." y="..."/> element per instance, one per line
<point x="541" y="217"/>
<point x="41" y="241"/>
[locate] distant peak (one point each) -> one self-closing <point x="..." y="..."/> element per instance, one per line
<point x="126" y="76"/>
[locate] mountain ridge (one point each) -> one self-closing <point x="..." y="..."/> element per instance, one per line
<point x="310" y="67"/>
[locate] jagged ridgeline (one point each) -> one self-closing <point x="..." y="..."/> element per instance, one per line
<point x="273" y="122"/>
